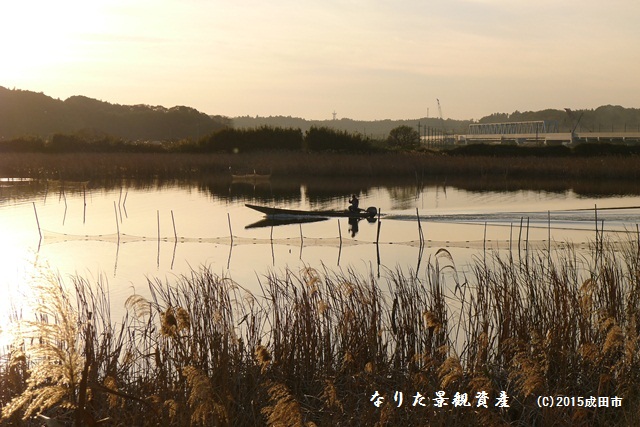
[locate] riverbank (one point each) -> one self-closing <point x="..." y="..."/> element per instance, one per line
<point x="282" y="164"/>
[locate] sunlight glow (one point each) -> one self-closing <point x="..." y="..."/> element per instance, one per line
<point x="40" y="33"/>
<point x="368" y="60"/>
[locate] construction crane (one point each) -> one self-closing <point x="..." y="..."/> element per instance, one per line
<point x="573" y="118"/>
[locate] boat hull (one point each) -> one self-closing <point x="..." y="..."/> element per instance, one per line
<point x="279" y="213"/>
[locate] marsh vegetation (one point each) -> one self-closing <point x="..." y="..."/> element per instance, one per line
<point x="316" y="345"/>
<point x="286" y="164"/>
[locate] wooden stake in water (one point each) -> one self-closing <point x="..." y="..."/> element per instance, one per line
<point x="549" y="228"/>
<point x="64" y="196"/>
<point x="378" y="241"/>
<point x="420" y="228"/>
<point x="340" y="247"/>
<point x="175" y="233"/>
<point x="526" y="250"/>
<point x="120" y="204"/>
<point x="549" y="235"/>
<point x="175" y="244"/>
<point x="301" y="241"/>
<point x="510" y="241"/>
<point x="84" y="195"/>
<point x="595" y="210"/>
<point x="230" y="231"/>
<point x="124" y="204"/>
<point x="115" y="210"/>
<point x="484" y="244"/>
<point x="520" y="239"/>
<point x="378" y="233"/>
<point x="158" y="260"/>
<point x="173" y="257"/>
<point x="37" y="220"/>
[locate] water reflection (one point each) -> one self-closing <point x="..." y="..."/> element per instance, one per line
<point x="270" y="222"/>
<point x="133" y="230"/>
<point x="353" y="226"/>
<point x="162" y="218"/>
<point x="320" y="190"/>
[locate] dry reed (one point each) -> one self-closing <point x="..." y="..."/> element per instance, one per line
<point x="104" y="167"/>
<point x="316" y="347"/>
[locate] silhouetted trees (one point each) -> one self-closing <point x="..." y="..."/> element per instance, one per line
<point x="241" y="140"/>
<point x="404" y="137"/>
<point x="22" y="145"/>
<point x="326" y="139"/>
<point x="32" y="121"/>
<point x="602" y="119"/>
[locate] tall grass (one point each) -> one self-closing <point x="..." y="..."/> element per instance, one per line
<point x="317" y="345"/>
<point x="110" y="166"/>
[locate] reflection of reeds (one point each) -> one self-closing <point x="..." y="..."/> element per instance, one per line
<point x="317" y="346"/>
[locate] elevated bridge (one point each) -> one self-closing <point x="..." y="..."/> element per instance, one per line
<point x="541" y="132"/>
<point x="514" y="128"/>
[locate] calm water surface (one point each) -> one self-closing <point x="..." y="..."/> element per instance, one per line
<point x="134" y="231"/>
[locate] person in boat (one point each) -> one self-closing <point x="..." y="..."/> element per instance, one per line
<point x="354" y="204"/>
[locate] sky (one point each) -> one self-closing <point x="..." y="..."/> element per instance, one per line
<point x="364" y="60"/>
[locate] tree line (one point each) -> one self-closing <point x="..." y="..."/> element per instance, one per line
<point x="316" y="139"/>
<point x="38" y="122"/>
<point x="227" y="140"/>
<point x="603" y="118"/>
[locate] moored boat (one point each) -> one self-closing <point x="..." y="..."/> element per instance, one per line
<point x="251" y="177"/>
<point x="275" y="213"/>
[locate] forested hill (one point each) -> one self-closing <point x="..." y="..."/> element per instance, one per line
<point x="26" y="113"/>
<point x="603" y="118"/>
<point x="376" y="129"/>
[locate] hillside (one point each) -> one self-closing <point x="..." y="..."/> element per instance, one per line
<point x="377" y="129"/>
<point x="601" y="119"/>
<point x="27" y="113"/>
<point x="35" y="114"/>
<point x="604" y="118"/>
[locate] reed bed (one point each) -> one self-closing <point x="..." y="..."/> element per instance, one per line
<point x="319" y="347"/>
<point x="110" y="166"/>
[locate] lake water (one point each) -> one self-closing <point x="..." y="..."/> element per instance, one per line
<point x="137" y="230"/>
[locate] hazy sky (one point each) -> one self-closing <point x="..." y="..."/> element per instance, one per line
<point x="364" y="59"/>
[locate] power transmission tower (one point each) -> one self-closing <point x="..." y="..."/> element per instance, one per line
<point x="441" y="119"/>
